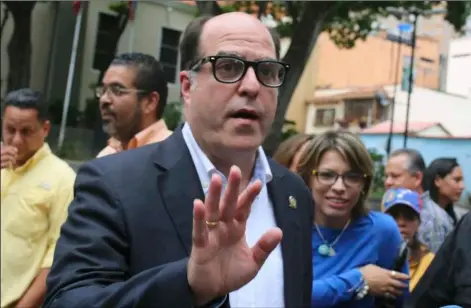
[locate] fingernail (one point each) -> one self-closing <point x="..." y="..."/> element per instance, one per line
<point x="234" y="168"/>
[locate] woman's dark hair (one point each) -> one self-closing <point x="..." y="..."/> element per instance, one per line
<point x="439" y="168"/>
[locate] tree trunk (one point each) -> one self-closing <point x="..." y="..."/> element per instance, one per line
<point x="6" y="15"/>
<point x="19" y="47"/>
<point x="303" y="41"/>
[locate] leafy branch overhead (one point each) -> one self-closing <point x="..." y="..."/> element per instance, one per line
<point x="345" y="21"/>
<point x="304" y="21"/>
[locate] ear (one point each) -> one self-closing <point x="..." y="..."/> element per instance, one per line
<point x="151" y="104"/>
<point x="419" y="176"/>
<point x="185" y="86"/>
<point x="438" y="181"/>
<point x="46" y="128"/>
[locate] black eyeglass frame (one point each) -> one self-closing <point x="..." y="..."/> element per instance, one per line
<point x="247" y="64"/>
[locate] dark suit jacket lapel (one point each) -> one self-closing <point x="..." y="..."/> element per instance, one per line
<point x="179" y="184"/>
<point x="288" y="221"/>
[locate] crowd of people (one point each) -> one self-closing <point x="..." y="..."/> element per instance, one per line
<point x="201" y="217"/>
<point x="385" y="254"/>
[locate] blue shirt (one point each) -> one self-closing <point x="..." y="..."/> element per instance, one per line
<point x="371" y="239"/>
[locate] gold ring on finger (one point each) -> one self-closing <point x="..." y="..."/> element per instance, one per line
<point x="211" y="224"/>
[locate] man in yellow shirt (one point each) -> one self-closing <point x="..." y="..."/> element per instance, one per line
<point x="37" y="188"/>
<point x="132" y="97"/>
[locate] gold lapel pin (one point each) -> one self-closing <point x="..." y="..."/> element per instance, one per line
<point x="292" y="202"/>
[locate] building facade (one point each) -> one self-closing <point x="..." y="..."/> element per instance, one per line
<point x="373" y="62"/>
<point x="458" y="79"/>
<point x="360" y="108"/>
<point x="156" y="30"/>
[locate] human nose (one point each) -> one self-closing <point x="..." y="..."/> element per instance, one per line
<point x="16" y="139"/>
<point x="388" y="183"/>
<point x="104" y="97"/>
<point x="249" y="85"/>
<point x="339" y="184"/>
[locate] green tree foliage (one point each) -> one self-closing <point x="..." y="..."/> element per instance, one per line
<point x="173" y="114"/>
<point x="345" y="21"/>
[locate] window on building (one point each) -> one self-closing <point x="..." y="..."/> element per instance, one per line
<point x="356" y="110"/>
<point x="463" y="55"/>
<point x="324" y="117"/>
<point x="105" y="37"/>
<point x="169" y="53"/>
<point x="427" y="60"/>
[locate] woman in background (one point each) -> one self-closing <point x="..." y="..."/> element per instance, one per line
<point x="404" y="206"/>
<point x="353" y="249"/>
<point x="445" y="183"/>
<point x="289" y="151"/>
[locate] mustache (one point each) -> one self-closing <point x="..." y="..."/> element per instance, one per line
<point x="107" y="111"/>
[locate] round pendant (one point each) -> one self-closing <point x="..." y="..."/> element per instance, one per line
<point x="323" y="250"/>
<point x="331" y="252"/>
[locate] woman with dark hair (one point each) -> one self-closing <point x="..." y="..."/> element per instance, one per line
<point x="445" y="183"/>
<point x="353" y="250"/>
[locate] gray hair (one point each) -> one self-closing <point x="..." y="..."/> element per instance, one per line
<point x="416" y="162"/>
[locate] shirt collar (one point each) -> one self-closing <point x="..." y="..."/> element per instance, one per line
<point x="143" y="137"/>
<point x="43" y="151"/>
<point x="262" y="170"/>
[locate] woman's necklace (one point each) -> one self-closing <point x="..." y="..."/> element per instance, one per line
<point x="326" y="249"/>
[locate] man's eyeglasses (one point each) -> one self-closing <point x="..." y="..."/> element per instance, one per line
<point x="231" y="69"/>
<point x="350" y="179"/>
<point x="115" y="90"/>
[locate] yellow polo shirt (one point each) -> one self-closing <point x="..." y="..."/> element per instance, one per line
<point x="417" y="269"/>
<point x="35" y="199"/>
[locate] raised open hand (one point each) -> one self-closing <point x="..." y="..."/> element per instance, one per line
<point x="220" y="260"/>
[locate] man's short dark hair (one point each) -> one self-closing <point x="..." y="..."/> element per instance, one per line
<point x="149" y="76"/>
<point x="190" y="44"/>
<point x="27" y="98"/>
<point x="416" y="162"/>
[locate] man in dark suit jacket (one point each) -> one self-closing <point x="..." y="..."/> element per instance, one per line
<point x="447" y="280"/>
<point x="133" y="238"/>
